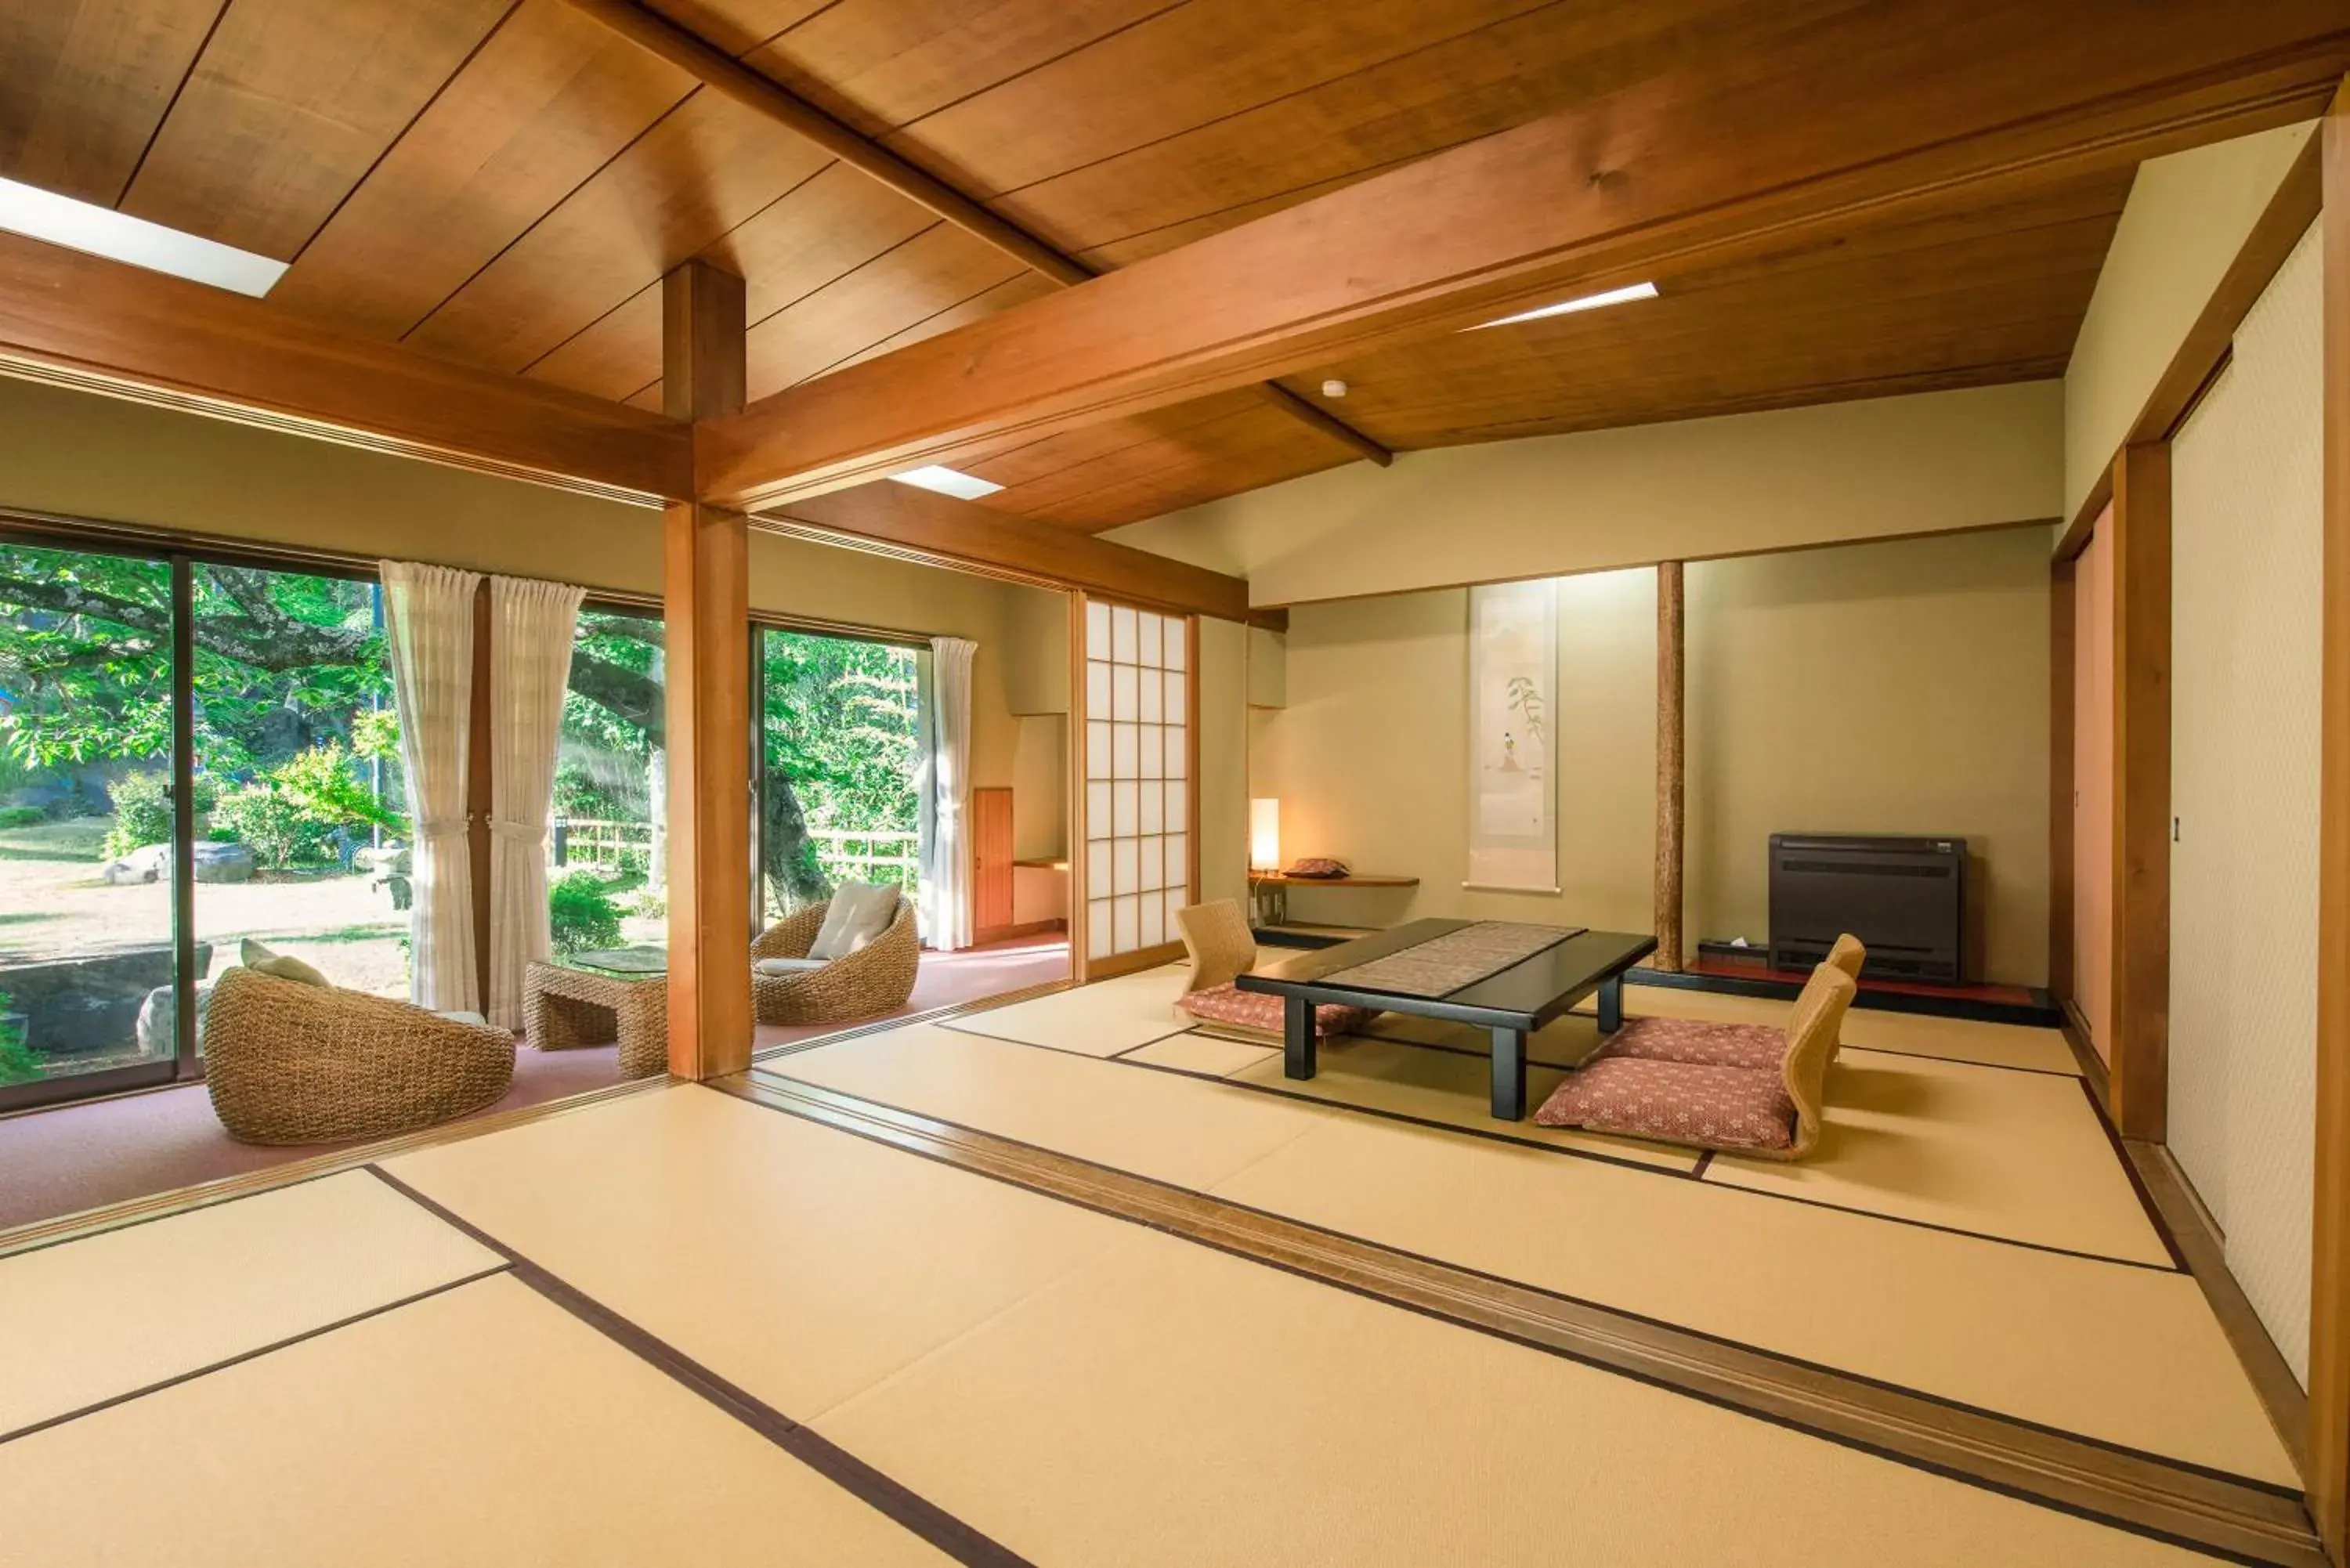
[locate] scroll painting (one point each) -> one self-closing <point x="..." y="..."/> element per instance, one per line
<point x="1513" y="792"/>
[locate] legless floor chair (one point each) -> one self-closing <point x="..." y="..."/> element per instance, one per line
<point x="1217" y="937"/>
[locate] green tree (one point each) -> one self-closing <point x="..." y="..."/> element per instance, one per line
<point x="841" y="742"/>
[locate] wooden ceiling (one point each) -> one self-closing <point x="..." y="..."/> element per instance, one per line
<point x="504" y="183"/>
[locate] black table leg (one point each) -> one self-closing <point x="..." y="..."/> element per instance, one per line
<point x="1297" y="1037"/>
<point x="1611" y="1004"/>
<point x="1508" y="1074"/>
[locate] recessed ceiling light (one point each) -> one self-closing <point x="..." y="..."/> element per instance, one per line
<point x="948" y="481"/>
<point x="1569" y="307"/>
<point x="103" y="232"/>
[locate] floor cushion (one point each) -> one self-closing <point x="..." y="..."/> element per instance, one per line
<point x="1679" y="1102"/>
<point x="1755" y="1046"/>
<point x="1254" y="1010"/>
<point x="858" y="912"/>
<point x="788" y="965"/>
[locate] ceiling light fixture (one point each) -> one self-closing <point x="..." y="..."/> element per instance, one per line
<point x="948" y="481"/>
<point x="1569" y="307"/>
<point x="118" y="236"/>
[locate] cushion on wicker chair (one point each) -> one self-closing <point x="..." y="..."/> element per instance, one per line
<point x="285" y="966"/>
<point x="787" y="965"/>
<point x="857" y="913"/>
<point x="1682" y="1102"/>
<point x="1753" y="1046"/>
<point x="1252" y="1010"/>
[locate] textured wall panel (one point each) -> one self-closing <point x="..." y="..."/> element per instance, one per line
<point x="2244" y="712"/>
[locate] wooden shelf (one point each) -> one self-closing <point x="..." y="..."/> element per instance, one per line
<point x="1282" y="880"/>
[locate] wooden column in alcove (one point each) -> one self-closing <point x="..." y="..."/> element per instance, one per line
<point x="706" y="603"/>
<point x="1671" y="686"/>
<point x="2138" y="1055"/>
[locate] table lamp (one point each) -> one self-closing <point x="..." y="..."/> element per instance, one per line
<point x="1265" y="834"/>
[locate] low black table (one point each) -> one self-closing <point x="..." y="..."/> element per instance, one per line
<point x="1509" y="1003"/>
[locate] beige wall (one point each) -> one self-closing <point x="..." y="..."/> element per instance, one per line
<point x="2186" y="217"/>
<point x="1557" y="504"/>
<point x="2247" y="628"/>
<point x="1937" y="650"/>
<point x="1899" y="688"/>
<point x="1223" y="780"/>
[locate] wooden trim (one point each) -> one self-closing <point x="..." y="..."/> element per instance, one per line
<point x="2329" y="1319"/>
<point x="1671" y="642"/>
<point x="2200" y="1243"/>
<point x="2076" y="1030"/>
<point x="2136" y="1491"/>
<point x="1080" y="922"/>
<point x="706" y="571"/>
<point x="910" y="523"/>
<point x="1192" y="792"/>
<point x="764" y="95"/>
<point x="1133" y="962"/>
<point x="2062" y="653"/>
<point x="1629" y="186"/>
<point x="479" y="786"/>
<point x="2203" y="353"/>
<point x="93" y="324"/>
<point x="2140" y="1047"/>
<point x="987" y="934"/>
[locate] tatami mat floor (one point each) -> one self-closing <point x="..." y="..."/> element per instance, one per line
<point x="1058" y="1385"/>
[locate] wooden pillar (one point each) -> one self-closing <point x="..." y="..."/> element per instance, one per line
<point x="1670" y="690"/>
<point x="2329" y="1316"/>
<point x="2139" y="1051"/>
<point x="2062" y="720"/>
<point x="705" y="565"/>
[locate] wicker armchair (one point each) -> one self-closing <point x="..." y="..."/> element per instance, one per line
<point x="290" y="1064"/>
<point x="877" y="977"/>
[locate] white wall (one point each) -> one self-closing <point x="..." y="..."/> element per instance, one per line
<point x="2246" y="609"/>
<point x="2186" y="219"/>
<point x="1552" y="506"/>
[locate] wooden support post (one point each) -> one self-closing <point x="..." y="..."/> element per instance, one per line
<point x="2329" y="1315"/>
<point x="2062" y="720"/>
<point x="2140" y="1047"/>
<point x="705" y="566"/>
<point x="1670" y="641"/>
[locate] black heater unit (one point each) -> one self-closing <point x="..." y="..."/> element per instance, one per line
<point x="1904" y="898"/>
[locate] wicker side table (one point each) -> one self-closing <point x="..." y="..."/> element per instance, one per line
<point x="564" y="1008"/>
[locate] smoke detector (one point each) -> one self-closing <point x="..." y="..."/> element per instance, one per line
<point x="1334" y="387"/>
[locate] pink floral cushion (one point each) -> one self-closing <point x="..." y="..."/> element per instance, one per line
<point x="1705" y="1045"/>
<point x="1254" y="1010"/>
<point x="1679" y="1102"/>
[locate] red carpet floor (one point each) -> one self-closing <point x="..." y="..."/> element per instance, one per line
<point x="72" y="1157"/>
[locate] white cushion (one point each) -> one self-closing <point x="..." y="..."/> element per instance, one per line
<point x="859" y="912"/>
<point x="788" y="965"/>
<point x="462" y="1015"/>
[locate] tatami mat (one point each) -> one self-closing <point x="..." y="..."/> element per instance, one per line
<point x="1212" y="1055"/>
<point x="2048" y="1337"/>
<point x="2021" y="1155"/>
<point x="813" y="1262"/>
<point x="1443" y="1085"/>
<point x="1918" y="1034"/>
<point x="481" y="1426"/>
<point x="1169" y="1405"/>
<point x="91" y="1320"/>
<point x="1098" y="1020"/>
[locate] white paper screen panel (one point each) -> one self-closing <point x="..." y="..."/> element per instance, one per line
<point x="1138" y="785"/>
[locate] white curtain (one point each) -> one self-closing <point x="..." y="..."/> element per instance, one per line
<point x="531" y="625"/>
<point x="945" y="720"/>
<point x="427" y="614"/>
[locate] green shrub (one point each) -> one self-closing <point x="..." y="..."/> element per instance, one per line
<point x="322" y="786"/>
<point x="142" y="810"/>
<point x="580" y="913"/>
<point x="22" y="816"/>
<point x="280" y="832"/>
<point x="18" y="1062"/>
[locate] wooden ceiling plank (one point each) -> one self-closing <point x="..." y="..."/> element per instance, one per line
<point x="748" y="86"/>
<point x="1716" y="160"/>
<point x="81" y="320"/>
<point x="290" y="106"/>
<point x="546" y="103"/>
<point x="1012" y="291"/>
<point x="929" y="273"/>
<point x="85" y="83"/>
<point x="920" y="524"/>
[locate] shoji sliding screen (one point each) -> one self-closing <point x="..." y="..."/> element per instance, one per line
<point x="1134" y="675"/>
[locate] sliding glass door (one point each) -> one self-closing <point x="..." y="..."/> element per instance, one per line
<point x="87" y="954"/>
<point x="839" y="755"/>
<point x="608" y="883"/>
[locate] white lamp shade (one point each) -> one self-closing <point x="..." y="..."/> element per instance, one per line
<point x="1264" y="835"/>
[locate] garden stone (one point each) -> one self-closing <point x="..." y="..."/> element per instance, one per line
<point x="89" y="1003"/>
<point x="216" y="861"/>
<point x="158" y="1018"/>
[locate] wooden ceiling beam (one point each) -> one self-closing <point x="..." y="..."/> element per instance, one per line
<point x="910" y="523"/>
<point x="762" y="94"/>
<point x="1716" y="161"/>
<point x="83" y="321"/>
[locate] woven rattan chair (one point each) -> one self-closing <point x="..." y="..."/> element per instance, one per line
<point x="1217" y="939"/>
<point x="287" y="1062"/>
<point x="877" y="977"/>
